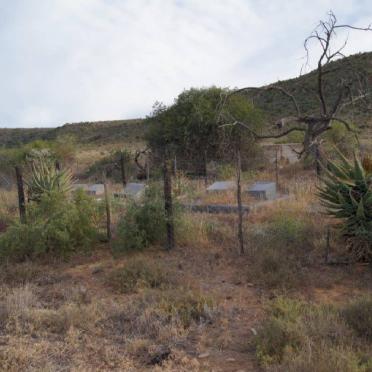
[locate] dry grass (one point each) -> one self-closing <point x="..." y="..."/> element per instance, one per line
<point x="195" y="308"/>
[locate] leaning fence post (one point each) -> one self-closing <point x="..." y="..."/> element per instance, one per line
<point x="108" y="211"/>
<point x="168" y="206"/>
<point x="21" y="195"/>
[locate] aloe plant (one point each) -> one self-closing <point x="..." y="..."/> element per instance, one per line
<point x="45" y="178"/>
<point x="346" y="194"/>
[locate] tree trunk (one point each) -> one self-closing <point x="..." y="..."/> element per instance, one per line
<point x="239" y="201"/>
<point x="168" y="206"/>
<point x="21" y="195"/>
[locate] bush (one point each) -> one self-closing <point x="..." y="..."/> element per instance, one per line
<point x="143" y="224"/>
<point x="139" y="273"/>
<point x="56" y="226"/>
<point x="358" y="315"/>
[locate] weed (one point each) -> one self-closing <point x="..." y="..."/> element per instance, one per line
<point x="139" y="273"/>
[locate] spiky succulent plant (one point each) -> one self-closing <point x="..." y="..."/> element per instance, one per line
<point x="346" y="194"/>
<point x="46" y="179"/>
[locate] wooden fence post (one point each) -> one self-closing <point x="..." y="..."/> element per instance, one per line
<point x="21" y="195"/>
<point x="168" y="206"/>
<point x="122" y="168"/>
<point x="108" y="211"/>
<point x="239" y="201"/>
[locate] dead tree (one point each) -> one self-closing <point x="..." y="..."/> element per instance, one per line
<point x="21" y="195"/>
<point x="168" y="204"/>
<point x="330" y="108"/>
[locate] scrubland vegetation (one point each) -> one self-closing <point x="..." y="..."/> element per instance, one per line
<point x="86" y="283"/>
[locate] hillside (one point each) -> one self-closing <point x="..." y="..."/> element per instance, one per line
<point x="85" y="132"/>
<point x="274" y="104"/>
<point x="357" y="66"/>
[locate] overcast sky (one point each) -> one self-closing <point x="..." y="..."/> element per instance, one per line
<point x="84" y="60"/>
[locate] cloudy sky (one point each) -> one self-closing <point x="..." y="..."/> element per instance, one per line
<point x="84" y="60"/>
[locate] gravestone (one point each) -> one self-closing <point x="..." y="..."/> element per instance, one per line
<point x="80" y="186"/>
<point x="134" y="190"/>
<point x="221" y="186"/>
<point x="96" y="189"/>
<point x="263" y="190"/>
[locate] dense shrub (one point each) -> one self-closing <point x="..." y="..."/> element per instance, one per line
<point x="56" y="226"/>
<point x="143" y="224"/>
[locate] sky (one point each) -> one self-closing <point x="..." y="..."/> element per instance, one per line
<point x="86" y="60"/>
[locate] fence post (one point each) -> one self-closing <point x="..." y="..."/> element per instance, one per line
<point x="108" y="210"/>
<point x="276" y="167"/>
<point x="239" y="201"/>
<point x="168" y="206"/>
<point x="122" y="168"/>
<point x="21" y="195"/>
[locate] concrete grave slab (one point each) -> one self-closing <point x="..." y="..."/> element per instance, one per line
<point x="96" y="189"/>
<point x="80" y="186"/>
<point x="135" y="190"/>
<point x="263" y="190"/>
<point x="221" y="186"/>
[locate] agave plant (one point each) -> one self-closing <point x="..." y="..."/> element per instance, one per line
<point x="346" y="194"/>
<point x="46" y="179"/>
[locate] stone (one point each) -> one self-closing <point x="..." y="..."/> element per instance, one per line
<point x="263" y="190"/>
<point x="203" y="355"/>
<point x="80" y="186"/>
<point x="134" y="190"/>
<point x="221" y="186"/>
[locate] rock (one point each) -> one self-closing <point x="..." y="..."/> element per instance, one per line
<point x="203" y="355"/>
<point x="230" y="360"/>
<point x="254" y="331"/>
<point x="250" y="284"/>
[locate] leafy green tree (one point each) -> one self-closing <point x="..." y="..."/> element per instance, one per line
<point x="192" y="127"/>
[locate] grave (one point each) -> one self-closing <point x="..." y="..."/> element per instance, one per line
<point x="263" y="190"/>
<point x="80" y="186"/>
<point x="134" y="190"/>
<point x="96" y="189"/>
<point x="221" y="186"/>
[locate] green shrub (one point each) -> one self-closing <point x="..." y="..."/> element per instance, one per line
<point x="143" y="224"/>
<point x="139" y="273"/>
<point x="358" y="315"/>
<point x="56" y="226"/>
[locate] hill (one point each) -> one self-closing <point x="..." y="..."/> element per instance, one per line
<point x="273" y="103"/>
<point x="357" y="66"/>
<point x="85" y="132"/>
